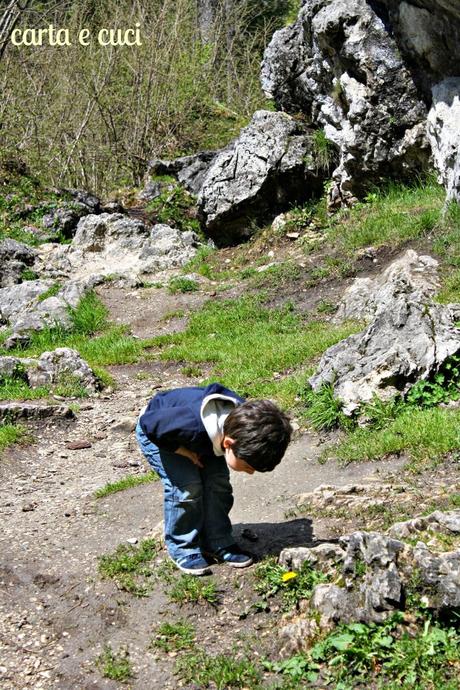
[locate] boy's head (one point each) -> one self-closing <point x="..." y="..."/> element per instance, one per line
<point x="258" y="433"/>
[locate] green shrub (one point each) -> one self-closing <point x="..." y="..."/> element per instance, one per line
<point x="182" y="284"/>
<point x="380" y="655"/>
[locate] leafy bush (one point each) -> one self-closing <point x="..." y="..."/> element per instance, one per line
<point x="443" y="386"/>
<point x="182" y="284"/>
<point x="380" y="654"/>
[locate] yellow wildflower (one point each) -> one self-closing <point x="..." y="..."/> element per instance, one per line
<point x="288" y="576"/>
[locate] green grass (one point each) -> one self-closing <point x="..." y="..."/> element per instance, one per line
<point x="51" y="292"/>
<point x="391" y="216"/>
<point x="98" y="342"/>
<point x="424" y="434"/>
<point x="11" y="434"/>
<point x="115" y="665"/>
<point x="126" y="483"/>
<point x="128" y="566"/>
<point x="221" y="671"/>
<point x="172" y="637"/>
<point x="188" y="589"/>
<point x="18" y="389"/>
<point x="247" y="342"/>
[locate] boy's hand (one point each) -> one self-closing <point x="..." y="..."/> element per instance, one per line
<point x="190" y="454"/>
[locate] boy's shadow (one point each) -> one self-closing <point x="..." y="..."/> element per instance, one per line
<point x="268" y="539"/>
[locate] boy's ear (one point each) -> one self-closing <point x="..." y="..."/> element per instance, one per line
<point x="228" y="442"/>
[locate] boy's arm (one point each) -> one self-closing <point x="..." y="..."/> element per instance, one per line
<point x="194" y="457"/>
<point x="172" y="428"/>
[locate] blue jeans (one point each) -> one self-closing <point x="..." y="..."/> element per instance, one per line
<point x="196" y="501"/>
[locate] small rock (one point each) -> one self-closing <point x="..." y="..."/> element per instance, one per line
<point x="132" y="540"/>
<point x="78" y="445"/>
<point x="27" y="507"/>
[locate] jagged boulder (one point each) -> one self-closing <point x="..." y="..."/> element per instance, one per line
<point x="56" y="366"/>
<point x="270" y="165"/>
<point x="340" y="65"/>
<point x="417" y="274"/>
<point x="408" y="339"/>
<point x="26" y="307"/>
<point x="444" y="134"/>
<point x="15" y="258"/>
<point x="374" y="575"/>
<point x="112" y="244"/>
<point x="190" y="171"/>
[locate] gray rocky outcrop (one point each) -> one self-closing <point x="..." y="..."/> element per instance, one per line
<point x="270" y="165"/>
<point x="15" y="258"/>
<point x="57" y="366"/>
<point x="114" y="245"/>
<point x="18" y="411"/>
<point x="190" y="171"/>
<point x="417" y="273"/>
<point x="26" y="307"/>
<point x="340" y="65"/>
<point x="374" y="575"/>
<point x="408" y="339"/>
<point x="444" y="134"/>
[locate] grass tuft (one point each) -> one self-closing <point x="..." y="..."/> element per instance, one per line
<point x="115" y="665"/>
<point x="221" y="671"/>
<point x="172" y="637"/>
<point x="128" y="564"/>
<point x="126" y="483"/>
<point x="11" y="434"/>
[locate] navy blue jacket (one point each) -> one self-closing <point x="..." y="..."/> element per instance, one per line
<point x="173" y="419"/>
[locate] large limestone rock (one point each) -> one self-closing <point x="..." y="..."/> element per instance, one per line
<point x="26" y="307"/>
<point x="267" y="167"/>
<point x="417" y="274"/>
<point x="15" y="258"/>
<point x="112" y="244"/>
<point x="444" y="134"/>
<point x="408" y="339"/>
<point x="340" y="65"/>
<point x="61" y="364"/>
<point x="426" y="32"/>
<point x="190" y="171"/>
<point x="377" y="573"/>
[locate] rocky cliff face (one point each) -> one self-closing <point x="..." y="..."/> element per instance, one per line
<point x="365" y="72"/>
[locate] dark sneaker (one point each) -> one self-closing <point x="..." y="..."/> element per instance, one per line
<point x="194" y="564"/>
<point x="234" y="556"/>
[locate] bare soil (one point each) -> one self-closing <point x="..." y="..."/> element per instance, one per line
<point x="56" y="613"/>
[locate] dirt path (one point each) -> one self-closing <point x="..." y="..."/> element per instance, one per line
<point x="56" y="613"/>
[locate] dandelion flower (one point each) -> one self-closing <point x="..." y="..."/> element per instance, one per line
<point x="288" y="576"/>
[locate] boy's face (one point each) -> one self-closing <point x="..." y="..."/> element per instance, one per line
<point x="236" y="464"/>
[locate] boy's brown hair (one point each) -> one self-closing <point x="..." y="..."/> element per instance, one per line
<point x="261" y="433"/>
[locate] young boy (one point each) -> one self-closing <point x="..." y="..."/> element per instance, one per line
<point x="191" y="436"/>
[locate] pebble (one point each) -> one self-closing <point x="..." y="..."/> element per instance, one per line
<point x="132" y="540"/>
<point x="78" y="445"/>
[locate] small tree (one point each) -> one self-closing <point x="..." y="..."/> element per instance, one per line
<point x="9" y="19"/>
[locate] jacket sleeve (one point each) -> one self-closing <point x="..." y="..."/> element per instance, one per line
<point x="170" y="427"/>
